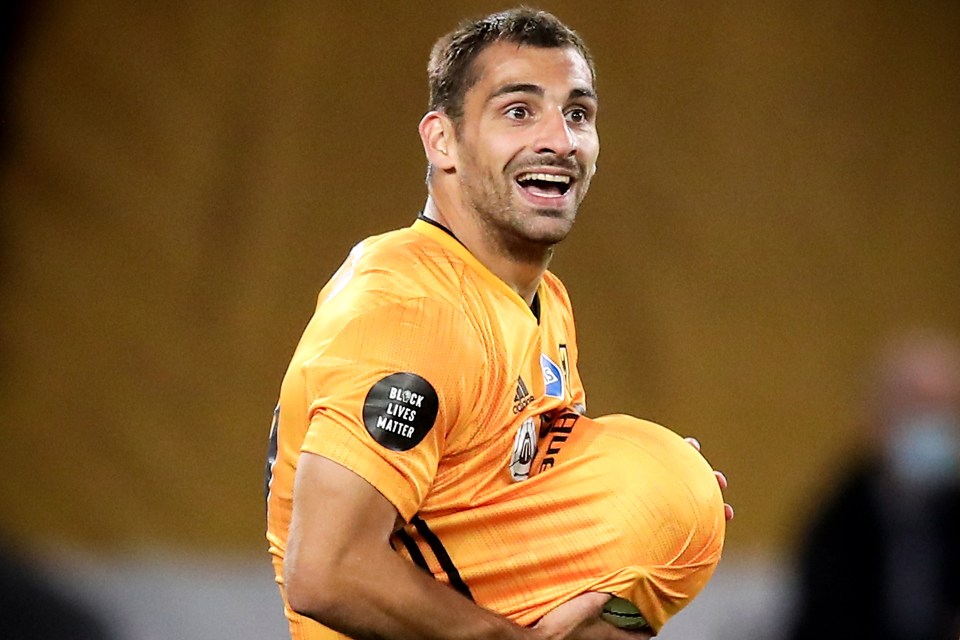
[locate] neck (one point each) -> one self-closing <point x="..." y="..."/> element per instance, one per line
<point x="522" y="273"/>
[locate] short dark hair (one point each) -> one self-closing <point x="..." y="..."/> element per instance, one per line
<point x="451" y="72"/>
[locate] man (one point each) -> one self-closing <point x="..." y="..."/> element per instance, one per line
<point x="438" y="353"/>
<point x="882" y="555"/>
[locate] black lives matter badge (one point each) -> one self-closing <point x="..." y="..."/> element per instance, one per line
<point x="400" y="410"/>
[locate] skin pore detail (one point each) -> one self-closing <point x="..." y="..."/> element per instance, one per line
<point x="531" y="115"/>
<point x="518" y="162"/>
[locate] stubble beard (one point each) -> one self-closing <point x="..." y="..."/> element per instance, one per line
<point x="511" y="229"/>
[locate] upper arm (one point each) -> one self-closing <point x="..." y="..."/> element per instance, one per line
<point x="336" y="515"/>
<point x="386" y="394"/>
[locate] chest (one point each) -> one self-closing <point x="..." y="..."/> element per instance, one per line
<point x="528" y="376"/>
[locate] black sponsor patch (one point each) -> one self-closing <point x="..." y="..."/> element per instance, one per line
<point x="400" y="410"/>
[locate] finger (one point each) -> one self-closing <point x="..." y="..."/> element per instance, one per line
<point x="721" y="479"/>
<point x="694" y="443"/>
<point x="727" y="512"/>
<point x="598" y="629"/>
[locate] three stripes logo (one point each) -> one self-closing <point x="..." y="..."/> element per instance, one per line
<point x="522" y="398"/>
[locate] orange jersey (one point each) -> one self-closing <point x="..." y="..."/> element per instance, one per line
<point x="425" y="374"/>
<point x="616" y="505"/>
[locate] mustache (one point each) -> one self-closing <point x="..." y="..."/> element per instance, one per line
<point x="548" y="160"/>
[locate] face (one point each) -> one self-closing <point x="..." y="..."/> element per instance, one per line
<point x="527" y="144"/>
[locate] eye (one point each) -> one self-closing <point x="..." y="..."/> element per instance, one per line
<point x="518" y="113"/>
<point x="578" y="114"/>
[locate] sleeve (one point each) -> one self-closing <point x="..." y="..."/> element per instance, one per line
<point x="387" y="392"/>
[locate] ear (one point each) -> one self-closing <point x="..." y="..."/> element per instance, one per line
<point x="439" y="141"/>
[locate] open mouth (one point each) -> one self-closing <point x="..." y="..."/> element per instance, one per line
<point x="544" y="185"/>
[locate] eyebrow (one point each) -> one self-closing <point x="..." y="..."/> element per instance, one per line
<point x="523" y="87"/>
<point x="583" y="93"/>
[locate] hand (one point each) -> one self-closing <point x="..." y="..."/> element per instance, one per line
<point x="721" y="480"/>
<point x="579" y="619"/>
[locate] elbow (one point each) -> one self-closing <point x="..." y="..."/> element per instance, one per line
<point x="308" y="592"/>
<point x="300" y="600"/>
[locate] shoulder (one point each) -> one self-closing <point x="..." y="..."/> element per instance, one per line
<point x="407" y="262"/>
<point x="556" y="298"/>
<point x="852" y="506"/>
<point x="386" y="269"/>
<point x="397" y="284"/>
<point x="556" y="288"/>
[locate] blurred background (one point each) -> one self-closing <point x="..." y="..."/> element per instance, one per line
<point x="778" y="193"/>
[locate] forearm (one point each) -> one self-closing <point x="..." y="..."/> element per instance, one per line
<point x="341" y="570"/>
<point x="382" y="596"/>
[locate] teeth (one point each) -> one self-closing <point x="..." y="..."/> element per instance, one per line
<point x="544" y="177"/>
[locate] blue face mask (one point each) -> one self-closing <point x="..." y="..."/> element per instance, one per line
<point x="925" y="449"/>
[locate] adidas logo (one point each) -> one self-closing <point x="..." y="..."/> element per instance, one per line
<point x="522" y="398"/>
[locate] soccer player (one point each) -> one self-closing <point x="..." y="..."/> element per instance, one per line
<point x="438" y="352"/>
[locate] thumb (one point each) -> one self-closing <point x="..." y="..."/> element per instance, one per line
<point x="571" y="614"/>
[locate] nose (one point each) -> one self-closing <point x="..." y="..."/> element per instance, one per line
<point x="555" y="135"/>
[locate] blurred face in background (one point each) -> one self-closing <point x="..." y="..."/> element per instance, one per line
<point x="918" y="403"/>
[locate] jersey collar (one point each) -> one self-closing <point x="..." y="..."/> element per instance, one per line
<point x="443" y="236"/>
